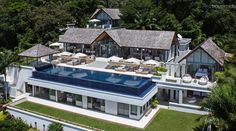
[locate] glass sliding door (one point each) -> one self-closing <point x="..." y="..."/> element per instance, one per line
<point x="28" y="88"/>
<point x="52" y="94"/>
<point x="123" y="109"/>
<point x="42" y="92"/>
<point x="107" y="48"/>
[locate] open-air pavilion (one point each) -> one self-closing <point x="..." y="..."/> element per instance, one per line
<point x="38" y="51"/>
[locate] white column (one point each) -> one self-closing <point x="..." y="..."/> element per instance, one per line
<point x="56" y="95"/>
<point x="33" y="90"/>
<point x="180" y="96"/>
<point x="84" y="101"/>
<point x="169" y="56"/>
<point x="172" y="66"/>
<point x="183" y="69"/>
<point x="138" y="111"/>
<point x="171" y="94"/>
<point x="178" y="70"/>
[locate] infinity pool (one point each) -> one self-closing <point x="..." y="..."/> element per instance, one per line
<point x="105" y="81"/>
<point x="127" y="80"/>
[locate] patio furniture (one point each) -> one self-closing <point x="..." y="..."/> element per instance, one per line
<point x="88" y="60"/>
<point x="152" y="63"/>
<point x="114" y="59"/>
<point x="122" y="68"/>
<point x="187" y="78"/>
<point x="133" y="60"/>
<point x="55" y="62"/>
<point x="201" y="72"/>
<point x="141" y="71"/>
<point x="74" y="62"/>
<point x="69" y="99"/>
<point x="147" y="58"/>
<point x="65" y="54"/>
<point x="79" y="55"/>
<point x="203" y="80"/>
<point x="191" y="100"/>
<point x="157" y="58"/>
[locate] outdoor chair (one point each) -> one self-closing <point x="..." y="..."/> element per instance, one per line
<point x="203" y="80"/>
<point x="141" y="71"/>
<point x="187" y="78"/>
<point x="122" y="68"/>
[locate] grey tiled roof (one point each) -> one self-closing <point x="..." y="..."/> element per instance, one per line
<point x="214" y="51"/>
<point x="123" y="37"/>
<point x="112" y="12"/>
<point x="211" y="49"/>
<point x="38" y="51"/>
<point x="142" y="38"/>
<point x="80" y="35"/>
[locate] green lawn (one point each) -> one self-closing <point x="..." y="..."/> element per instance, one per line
<point x="165" y="120"/>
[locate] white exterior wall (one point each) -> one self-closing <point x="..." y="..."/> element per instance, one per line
<point x="111" y="107"/>
<point x="18" y="76"/>
<point x="41" y="121"/>
<point x="84" y="101"/>
<point x="95" y="93"/>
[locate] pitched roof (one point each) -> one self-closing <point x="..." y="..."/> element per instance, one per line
<point x="123" y="37"/>
<point x="38" y="51"/>
<point x="142" y="38"/>
<point x="80" y="35"/>
<point x="211" y="49"/>
<point x="112" y="12"/>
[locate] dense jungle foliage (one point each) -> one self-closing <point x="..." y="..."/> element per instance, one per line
<point x="27" y="22"/>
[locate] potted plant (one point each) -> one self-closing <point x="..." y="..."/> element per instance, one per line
<point x="154" y="103"/>
<point x="162" y="70"/>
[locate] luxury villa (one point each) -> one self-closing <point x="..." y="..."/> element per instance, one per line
<point x="119" y="71"/>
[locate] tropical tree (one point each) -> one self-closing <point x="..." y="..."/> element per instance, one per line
<point x="221" y="102"/>
<point x="7" y="58"/>
<point x="138" y="14"/>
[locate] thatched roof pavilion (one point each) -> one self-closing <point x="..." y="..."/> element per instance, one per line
<point x="38" y="51"/>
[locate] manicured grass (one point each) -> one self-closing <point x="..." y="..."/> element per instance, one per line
<point x="165" y="120"/>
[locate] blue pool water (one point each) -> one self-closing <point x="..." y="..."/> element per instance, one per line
<point x="121" y="79"/>
<point x="104" y="81"/>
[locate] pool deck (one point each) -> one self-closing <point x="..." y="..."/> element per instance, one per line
<point x="100" y="67"/>
<point x="142" y="123"/>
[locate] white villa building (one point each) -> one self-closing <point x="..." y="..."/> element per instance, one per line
<point x="114" y="86"/>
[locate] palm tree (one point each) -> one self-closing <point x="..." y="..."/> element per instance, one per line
<point x="222" y="101"/>
<point x="7" y="58"/>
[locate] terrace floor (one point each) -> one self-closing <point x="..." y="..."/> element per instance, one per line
<point x="165" y="120"/>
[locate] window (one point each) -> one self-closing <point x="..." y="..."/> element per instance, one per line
<point x="123" y="109"/>
<point x="141" y="109"/>
<point x="78" y="97"/>
<point x="52" y="92"/>
<point x="28" y="88"/>
<point x="89" y="99"/>
<point x="133" y="110"/>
